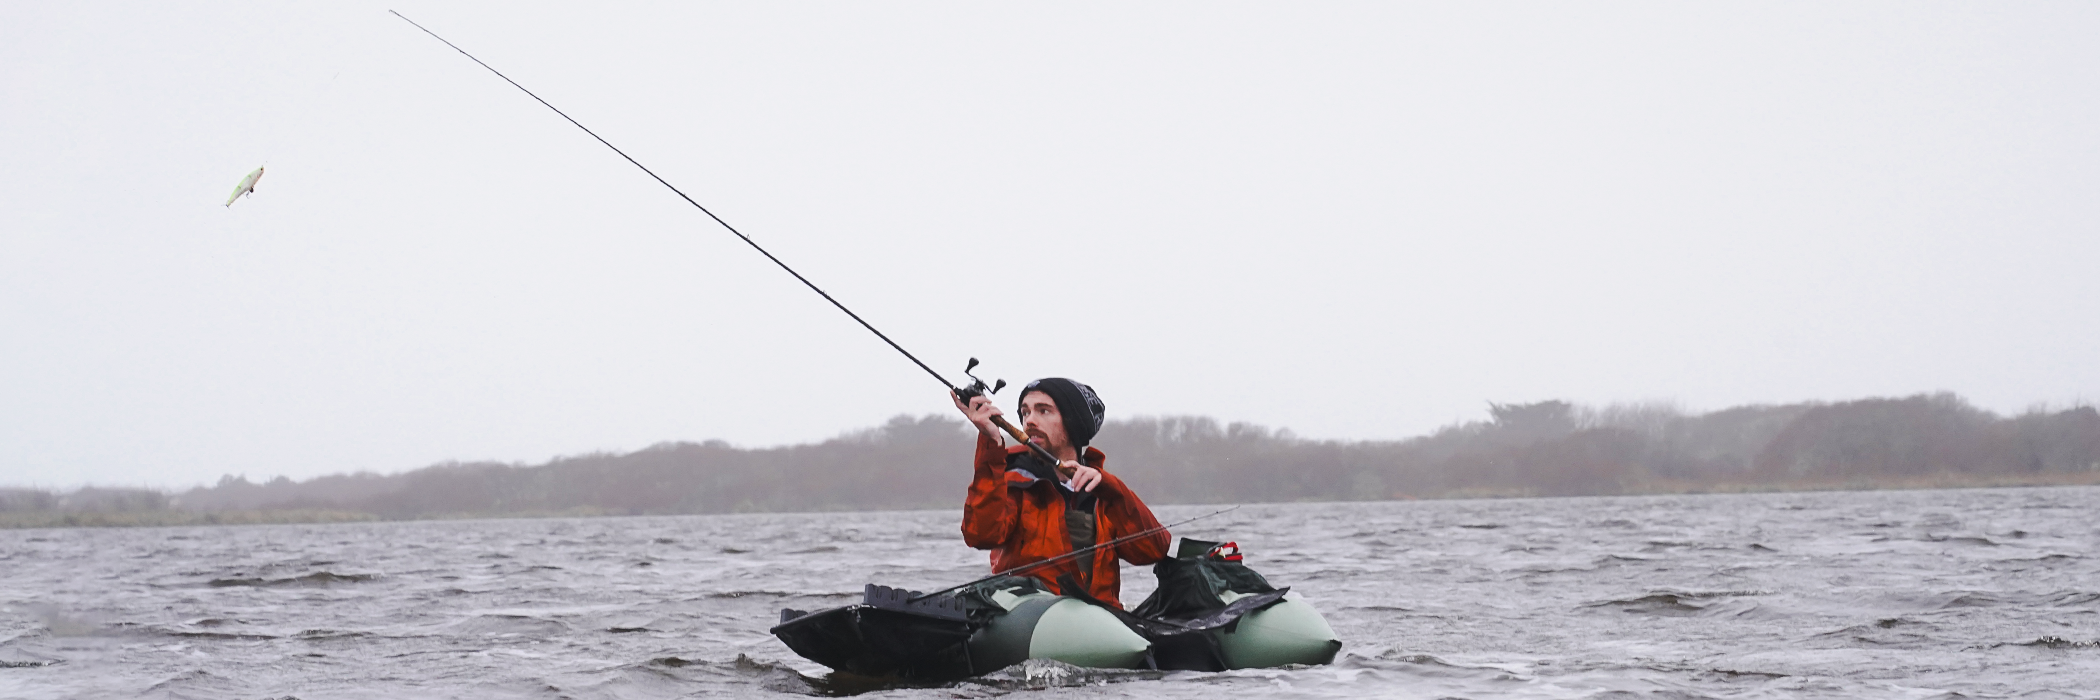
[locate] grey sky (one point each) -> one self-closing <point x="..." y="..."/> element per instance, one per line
<point x="1353" y="220"/>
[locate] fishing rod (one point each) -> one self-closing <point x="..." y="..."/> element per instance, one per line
<point x="1068" y="555"/>
<point x="977" y="386"/>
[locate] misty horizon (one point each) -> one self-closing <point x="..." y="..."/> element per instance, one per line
<point x="1650" y="408"/>
<point x="1548" y="448"/>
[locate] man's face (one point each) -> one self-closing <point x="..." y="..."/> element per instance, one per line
<point x="1040" y="419"/>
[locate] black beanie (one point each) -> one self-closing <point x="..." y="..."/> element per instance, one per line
<point x="1076" y="402"/>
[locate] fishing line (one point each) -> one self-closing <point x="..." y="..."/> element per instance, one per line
<point x="689" y="200"/>
<point x="296" y="118"/>
<point x="965" y="393"/>
<point x="349" y="50"/>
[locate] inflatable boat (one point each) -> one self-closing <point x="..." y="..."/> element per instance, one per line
<point x="1210" y="613"/>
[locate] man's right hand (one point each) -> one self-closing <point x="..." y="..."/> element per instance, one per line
<point x="980" y="411"/>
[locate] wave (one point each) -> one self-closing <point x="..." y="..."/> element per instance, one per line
<point x="496" y="625"/>
<point x="1680" y="603"/>
<point x="780" y="594"/>
<point x="1733" y="675"/>
<point x="2055" y="642"/>
<point x="197" y="682"/>
<point x="1977" y="540"/>
<point x="318" y="578"/>
<point x="1032" y="674"/>
<point x="2054" y="558"/>
<point x="26" y="663"/>
<point x="1419" y="665"/>
<point x="1040" y="674"/>
<point x="1894" y="632"/>
<point x="17" y="658"/>
<point x="205" y="628"/>
<point x="2069" y="599"/>
<point x="1955" y="600"/>
<point x="198" y="634"/>
<point x="744" y="670"/>
<point x="320" y="634"/>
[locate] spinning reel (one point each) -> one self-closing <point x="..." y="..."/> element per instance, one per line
<point x="977" y="387"/>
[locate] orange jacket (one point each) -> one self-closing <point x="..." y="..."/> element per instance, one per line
<point x="1022" y="520"/>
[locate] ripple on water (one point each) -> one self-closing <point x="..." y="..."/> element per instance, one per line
<point x="318" y="578"/>
<point x="500" y="625"/>
<point x="1683" y="603"/>
<point x="2053" y="642"/>
<point x="1895" y="632"/>
<point x="743" y="671"/>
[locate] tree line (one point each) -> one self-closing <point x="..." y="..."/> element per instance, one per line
<point x="1549" y="448"/>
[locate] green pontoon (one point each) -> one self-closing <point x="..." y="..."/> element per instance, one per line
<point x="1210" y="613"/>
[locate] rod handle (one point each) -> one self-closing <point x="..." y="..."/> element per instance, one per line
<point x="1023" y="438"/>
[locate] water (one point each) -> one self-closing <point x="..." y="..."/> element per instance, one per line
<point x="1919" y="594"/>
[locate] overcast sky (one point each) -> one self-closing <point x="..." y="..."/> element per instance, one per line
<point x="1354" y="220"/>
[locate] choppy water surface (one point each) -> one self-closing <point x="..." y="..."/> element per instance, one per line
<point x="1985" y="593"/>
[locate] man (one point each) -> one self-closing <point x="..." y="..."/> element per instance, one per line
<point x="1026" y="510"/>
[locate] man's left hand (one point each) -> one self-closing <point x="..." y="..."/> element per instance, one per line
<point x="1084" y="478"/>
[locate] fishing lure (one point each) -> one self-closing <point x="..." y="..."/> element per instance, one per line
<point x="247" y="186"/>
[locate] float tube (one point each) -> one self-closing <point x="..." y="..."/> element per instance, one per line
<point x="1210" y="613"/>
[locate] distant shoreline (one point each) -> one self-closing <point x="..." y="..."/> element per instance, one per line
<point x="1544" y="449"/>
<point x="179" y="518"/>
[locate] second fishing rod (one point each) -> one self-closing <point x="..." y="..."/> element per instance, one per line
<point x="975" y="388"/>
